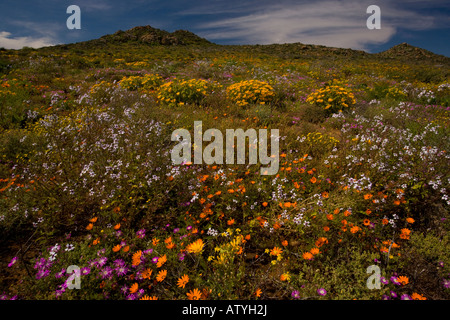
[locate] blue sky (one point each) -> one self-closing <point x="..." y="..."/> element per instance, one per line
<point x="421" y="23"/>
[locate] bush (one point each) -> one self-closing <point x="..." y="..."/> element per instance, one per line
<point x="333" y="98"/>
<point x="147" y="82"/>
<point x="250" y="91"/>
<point x="193" y="91"/>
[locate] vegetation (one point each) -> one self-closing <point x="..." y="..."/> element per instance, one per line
<point x="86" y="177"/>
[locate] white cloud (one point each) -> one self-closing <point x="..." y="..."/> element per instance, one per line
<point x="329" y="23"/>
<point x="19" y="42"/>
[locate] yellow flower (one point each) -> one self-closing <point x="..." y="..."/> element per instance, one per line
<point x="285" y="277"/>
<point x="182" y="281"/>
<point x="196" y="246"/>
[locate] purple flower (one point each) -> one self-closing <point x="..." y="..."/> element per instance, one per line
<point x="446" y="283"/>
<point x="155" y="259"/>
<point x="406" y="297"/>
<point x="85" y="271"/>
<point x="58" y="293"/>
<point x="101" y="262"/>
<point x="188" y="228"/>
<point x="42" y="274"/>
<point x="3" y="296"/>
<point x="393" y="294"/>
<point x="384" y="280"/>
<point x="119" y="263"/>
<point x="60" y="274"/>
<point x="13" y="261"/>
<point x="140" y="293"/>
<point x="395" y="281"/>
<point x="181" y="256"/>
<point x="124" y="289"/>
<point x="106" y="273"/>
<point x="295" y="294"/>
<point x="121" y="271"/>
<point x="321" y="291"/>
<point x="176" y="230"/>
<point x="141" y="233"/>
<point x="385" y="297"/>
<point x="131" y="297"/>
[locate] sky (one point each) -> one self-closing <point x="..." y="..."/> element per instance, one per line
<point x="341" y="23"/>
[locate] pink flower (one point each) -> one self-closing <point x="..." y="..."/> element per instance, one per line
<point x="321" y="291"/>
<point x="13" y="262"/>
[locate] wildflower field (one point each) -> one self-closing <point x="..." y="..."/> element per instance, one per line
<point x="86" y="177"/>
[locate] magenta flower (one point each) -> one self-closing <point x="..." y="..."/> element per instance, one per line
<point x="295" y="294"/>
<point x="321" y="291"/>
<point x="13" y="262"/>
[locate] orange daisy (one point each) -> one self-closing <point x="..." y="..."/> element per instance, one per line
<point x="194" y="294"/>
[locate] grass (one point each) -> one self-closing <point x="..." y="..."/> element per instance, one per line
<point x="86" y="177"/>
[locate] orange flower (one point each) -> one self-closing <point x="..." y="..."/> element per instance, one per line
<point x="397" y="202"/>
<point x="93" y="220"/>
<point x="117" y="226"/>
<point x="403" y="280"/>
<point x="126" y="249"/>
<point x="354" y="229"/>
<point x="230" y="222"/>
<point x="416" y="296"/>
<point x="315" y="251"/>
<point x="147" y="273"/>
<point x="155" y="241"/>
<point x="117" y="248"/>
<point x="307" y="256"/>
<point x="325" y="194"/>
<point x="330" y="216"/>
<point x="276" y="251"/>
<point x="136" y="259"/>
<point x="326" y="228"/>
<point x="347" y="213"/>
<point x="321" y="241"/>
<point x="194" y="294"/>
<point x="368" y="196"/>
<point x="161" y="261"/>
<point x="264" y="204"/>
<point x="196" y="246"/>
<point x="366" y="222"/>
<point x="258" y="292"/>
<point x="134" y="288"/>
<point x="385" y="221"/>
<point x="116" y="210"/>
<point x="285" y="276"/>
<point x="170" y="245"/>
<point x="96" y="241"/>
<point x="146" y="297"/>
<point x="336" y="211"/>
<point x="161" y="275"/>
<point x="410" y="220"/>
<point x="90" y="226"/>
<point x="284" y="243"/>
<point x="313" y="180"/>
<point x="182" y="281"/>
